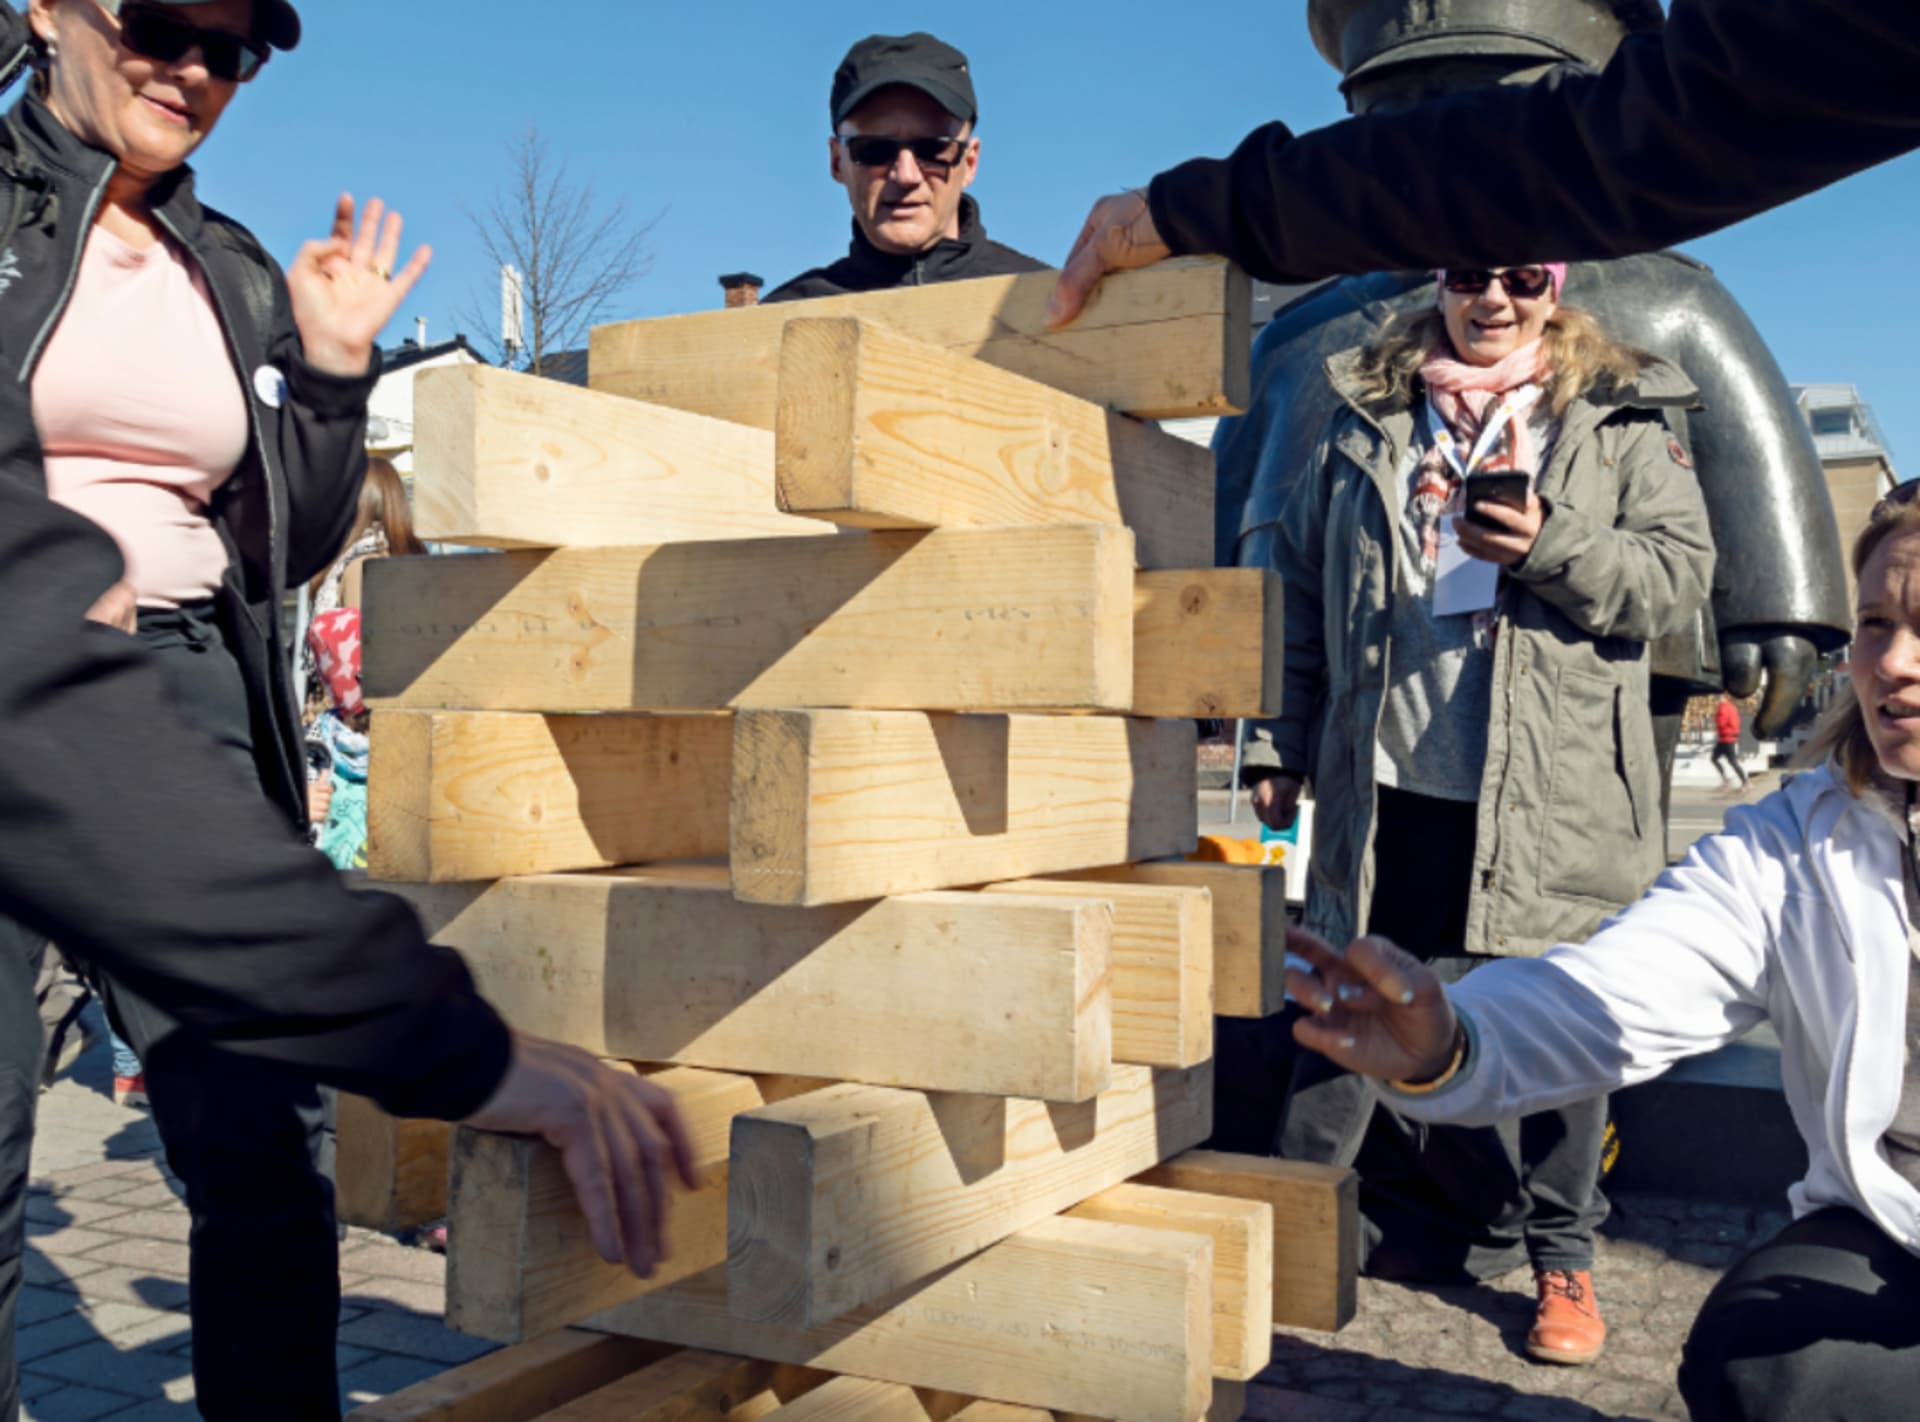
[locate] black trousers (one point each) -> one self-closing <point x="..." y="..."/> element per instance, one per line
<point x="245" y="1137"/>
<point x="1729" y="752"/>
<point x="1445" y="1204"/>
<point x="20" y="1046"/>
<point x="1820" y="1324"/>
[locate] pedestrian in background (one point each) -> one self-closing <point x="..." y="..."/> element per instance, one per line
<point x="1498" y="523"/>
<point x="334" y="640"/>
<point x="382" y="527"/>
<point x="1726" y="743"/>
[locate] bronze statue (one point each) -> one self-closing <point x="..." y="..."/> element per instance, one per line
<point x="1779" y="590"/>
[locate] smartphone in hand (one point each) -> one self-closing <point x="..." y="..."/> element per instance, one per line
<point x="1509" y="489"/>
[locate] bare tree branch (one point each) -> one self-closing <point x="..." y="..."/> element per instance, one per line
<point x="577" y="257"/>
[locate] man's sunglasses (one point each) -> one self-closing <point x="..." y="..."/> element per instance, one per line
<point x="155" y="32"/>
<point x="1522" y="283"/>
<point x="875" y="152"/>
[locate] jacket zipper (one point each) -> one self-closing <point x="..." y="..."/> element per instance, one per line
<point x="92" y="211"/>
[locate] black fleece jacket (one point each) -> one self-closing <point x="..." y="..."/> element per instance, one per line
<point x="124" y="835"/>
<point x="867" y="268"/>
<point x="1742" y="105"/>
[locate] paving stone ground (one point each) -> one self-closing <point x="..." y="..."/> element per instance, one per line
<point x="104" y="1331"/>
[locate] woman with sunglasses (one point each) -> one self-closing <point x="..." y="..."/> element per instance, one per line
<point x="207" y="412"/>
<point x="1804" y="912"/>
<point x="1498" y="523"/>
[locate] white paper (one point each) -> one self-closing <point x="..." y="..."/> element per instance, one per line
<point x="1461" y="582"/>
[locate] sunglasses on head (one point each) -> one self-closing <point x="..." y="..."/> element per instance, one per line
<point x="1523" y="283"/>
<point x="1898" y="497"/>
<point x="876" y="152"/>
<point x="156" y="32"/>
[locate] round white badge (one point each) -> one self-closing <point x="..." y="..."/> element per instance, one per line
<point x="270" y="384"/>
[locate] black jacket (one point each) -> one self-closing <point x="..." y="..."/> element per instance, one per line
<point x="867" y="268"/>
<point x="1742" y="106"/>
<point x="124" y="835"/>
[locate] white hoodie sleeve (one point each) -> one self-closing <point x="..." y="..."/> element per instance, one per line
<point x="1678" y="973"/>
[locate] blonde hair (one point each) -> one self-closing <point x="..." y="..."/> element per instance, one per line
<point x="1584" y="356"/>
<point x="1842" y="735"/>
<point x="383" y="504"/>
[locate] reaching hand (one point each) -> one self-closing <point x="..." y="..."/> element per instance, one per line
<point x="1119" y="236"/>
<point x="344" y="289"/>
<point x="614" y="1130"/>
<point x="1377" y="1010"/>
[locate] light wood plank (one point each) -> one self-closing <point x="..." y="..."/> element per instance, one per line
<point x="1242" y="1234"/>
<point x="691" y="1386"/>
<point x="959" y="619"/>
<point x="838" y="806"/>
<point x="1167" y="341"/>
<point x="987" y="993"/>
<point x="1249" y="926"/>
<point x="505" y="460"/>
<point x="855" y="1400"/>
<point x="1162" y="967"/>
<point x="1316" y="1227"/>
<point x="844" y="1196"/>
<point x="1227" y="1404"/>
<point x="456" y="796"/>
<point x="877" y="430"/>
<point x="1208" y="643"/>
<point x="520" y="1261"/>
<point x="518" y="1384"/>
<point x="389" y="1173"/>
<point x="1074" y="1315"/>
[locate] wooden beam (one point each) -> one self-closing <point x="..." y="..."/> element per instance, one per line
<point x="519" y="1259"/>
<point x="1168" y="341"/>
<point x="842" y="1197"/>
<point x="878" y="430"/>
<point x="470" y="795"/>
<point x="505" y="460"/>
<point x="389" y="1174"/>
<point x="518" y="1384"/>
<point x="1316" y="1227"/>
<point x="855" y="1400"/>
<point x="960" y="619"/>
<point x="690" y="1386"/>
<point x="1249" y="927"/>
<point x="997" y="994"/>
<point x="1074" y="1315"/>
<point x="1242" y="1234"/>
<point x="1207" y="643"/>
<point x="837" y="806"/>
<point x="1228" y="1404"/>
<point x="1162" y="967"/>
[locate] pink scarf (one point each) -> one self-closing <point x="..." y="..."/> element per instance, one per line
<point x="1463" y="394"/>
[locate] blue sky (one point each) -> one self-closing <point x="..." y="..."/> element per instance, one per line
<point x="715" y="117"/>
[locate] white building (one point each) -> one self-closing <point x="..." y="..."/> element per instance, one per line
<point x="390" y="409"/>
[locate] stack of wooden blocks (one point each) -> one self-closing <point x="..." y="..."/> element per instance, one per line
<point x="822" y="740"/>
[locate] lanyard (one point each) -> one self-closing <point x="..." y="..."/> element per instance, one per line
<point x="1508" y="410"/>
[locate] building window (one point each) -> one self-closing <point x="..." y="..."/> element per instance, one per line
<point x="1833" y="422"/>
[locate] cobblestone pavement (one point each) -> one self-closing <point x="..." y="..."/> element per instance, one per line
<point x="103" y="1322"/>
<point x="1415" y="1353"/>
<point x="104" y="1332"/>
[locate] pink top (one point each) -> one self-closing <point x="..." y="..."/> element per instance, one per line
<point x="141" y="416"/>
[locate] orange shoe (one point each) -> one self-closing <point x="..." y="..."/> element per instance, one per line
<point x="1567" y="1328"/>
<point x="131" y="1091"/>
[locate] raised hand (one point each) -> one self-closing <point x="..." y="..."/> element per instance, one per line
<point x="1375" y="1009"/>
<point x="1118" y="236"/>
<point x="344" y="288"/>
<point x="615" y="1132"/>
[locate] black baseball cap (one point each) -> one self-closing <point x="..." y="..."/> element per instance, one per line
<point x="918" y="61"/>
<point x="275" y="21"/>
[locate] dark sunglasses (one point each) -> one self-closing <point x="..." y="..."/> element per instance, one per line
<point x="1522" y="283"/>
<point x="875" y="152"/>
<point x="1899" y="496"/>
<point x="157" y="33"/>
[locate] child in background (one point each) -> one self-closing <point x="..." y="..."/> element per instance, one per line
<point x="334" y="638"/>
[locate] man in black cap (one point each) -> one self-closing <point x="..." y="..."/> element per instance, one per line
<point x="905" y="150"/>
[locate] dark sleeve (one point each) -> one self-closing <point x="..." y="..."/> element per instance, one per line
<point x="129" y="840"/>
<point x="1744" y="105"/>
<point x="322" y="445"/>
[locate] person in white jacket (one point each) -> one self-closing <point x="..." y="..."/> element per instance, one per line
<point x="1801" y="912"/>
